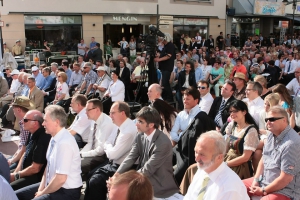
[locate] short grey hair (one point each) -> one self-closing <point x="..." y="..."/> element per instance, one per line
<point x="279" y="110"/>
<point x="220" y="143"/>
<point x="31" y="78"/>
<point x="57" y="113"/>
<point x="54" y="64"/>
<point x="89" y="65"/>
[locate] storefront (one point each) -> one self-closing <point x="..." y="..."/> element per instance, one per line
<point x="61" y="32"/>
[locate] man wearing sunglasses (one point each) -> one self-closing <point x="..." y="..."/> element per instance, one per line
<point x="206" y="99"/>
<point x="277" y="175"/>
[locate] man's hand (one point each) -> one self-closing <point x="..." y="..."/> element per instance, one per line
<point x="9" y="162"/>
<point x="256" y="190"/>
<point x="12" y="177"/>
<point x="156" y="59"/>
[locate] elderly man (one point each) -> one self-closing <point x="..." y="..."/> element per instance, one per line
<point x="277" y="175"/>
<point x="33" y="162"/>
<point x="102" y="83"/>
<point x="239" y="80"/>
<point x="117" y="147"/>
<point x="39" y="78"/>
<point x="8" y="97"/>
<point x="54" y="67"/>
<point x="80" y="127"/>
<point x="89" y="79"/>
<point x="61" y="179"/>
<point x="154" y="92"/>
<point x="214" y="179"/>
<point x="254" y="101"/>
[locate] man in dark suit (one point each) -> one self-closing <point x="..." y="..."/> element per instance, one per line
<point x="219" y="109"/>
<point x="184" y="155"/>
<point x="193" y="45"/>
<point x="97" y="53"/>
<point x="124" y="73"/>
<point x="87" y="55"/>
<point x="210" y="43"/>
<point x="182" y="45"/>
<point x="153" y="151"/>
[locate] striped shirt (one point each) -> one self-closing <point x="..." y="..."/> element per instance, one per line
<point x="23" y="135"/>
<point x="280" y="153"/>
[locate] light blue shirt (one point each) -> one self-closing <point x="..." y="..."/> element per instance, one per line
<point x="92" y="45"/>
<point x="69" y="74"/>
<point x="25" y="91"/>
<point x="48" y="81"/>
<point x="198" y="73"/>
<point x="182" y="121"/>
<point x="76" y="78"/>
<point x="39" y="80"/>
<point x="6" y="191"/>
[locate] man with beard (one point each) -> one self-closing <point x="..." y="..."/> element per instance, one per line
<point x="214" y="179"/>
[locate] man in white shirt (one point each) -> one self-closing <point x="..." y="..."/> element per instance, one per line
<point x="93" y="153"/>
<point x="206" y="99"/>
<point x="76" y="78"/>
<point x="102" y="82"/>
<point x="116" y="148"/>
<point x="154" y="92"/>
<point x="294" y="85"/>
<point x="8" y="97"/>
<point x="254" y="101"/>
<point x="289" y="69"/>
<point x="214" y="179"/>
<point x="81" y="46"/>
<point x="61" y="179"/>
<point x="81" y="126"/>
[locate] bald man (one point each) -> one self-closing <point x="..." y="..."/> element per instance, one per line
<point x="154" y="92"/>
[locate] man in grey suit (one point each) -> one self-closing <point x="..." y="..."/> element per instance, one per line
<point x="153" y="150"/>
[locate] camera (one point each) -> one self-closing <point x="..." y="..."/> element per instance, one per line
<point x="150" y="40"/>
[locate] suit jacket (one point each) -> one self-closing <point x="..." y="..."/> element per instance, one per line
<point x="206" y="43"/>
<point x="193" y="46"/>
<point x="184" y="150"/>
<point x="38" y="98"/>
<point x="215" y="108"/>
<point x="211" y="44"/>
<point x="184" y="47"/>
<point x="156" y="164"/>
<point x="181" y="80"/>
<point x="125" y="77"/>
<point x="97" y="55"/>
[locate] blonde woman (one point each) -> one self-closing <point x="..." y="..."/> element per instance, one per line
<point x="227" y="69"/>
<point x="62" y="89"/>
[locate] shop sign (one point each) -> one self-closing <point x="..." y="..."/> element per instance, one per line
<point x="31" y="19"/>
<point x="283" y="24"/>
<point x="124" y="18"/>
<point x="269" y="8"/>
<point x="190" y="21"/>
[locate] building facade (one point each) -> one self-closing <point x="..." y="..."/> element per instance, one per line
<point x="64" y="23"/>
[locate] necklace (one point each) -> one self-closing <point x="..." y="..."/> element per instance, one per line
<point x="239" y="128"/>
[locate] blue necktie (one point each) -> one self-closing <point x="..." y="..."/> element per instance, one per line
<point x="50" y="151"/>
<point x="289" y="66"/>
<point x="218" y="118"/>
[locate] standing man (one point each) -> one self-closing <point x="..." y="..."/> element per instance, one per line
<point x="17" y="49"/>
<point x="236" y="40"/>
<point x="153" y="152"/>
<point x="93" y="153"/>
<point x="166" y="65"/>
<point x="117" y="147"/>
<point x="220" y="41"/>
<point x="214" y="179"/>
<point x="124" y="74"/>
<point x="228" y="41"/>
<point x="81" y="46"/>
<point x="33" y="162"/>
<point x="97" y="53"/>
<point x="277" y="174"/>
<point x="61" y="179"/>
<point x="80" y="128"/>
<point x="211" y="43"/>
<point x="5" y="49"/>
<point x="92" y="45"/>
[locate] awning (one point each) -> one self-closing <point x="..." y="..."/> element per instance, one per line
<point x="243" y="7"/>
<point x="297" y="18"/>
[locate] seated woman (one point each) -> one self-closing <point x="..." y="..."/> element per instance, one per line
<point x="168" y="115"/>
<point x="263" y="82"/>
<point x="286" y="100"/>
<point x="216" y="78"/>
<point x="115" y="92"/>
<point x="62" y="89"/>
<point x="242" y="136"/>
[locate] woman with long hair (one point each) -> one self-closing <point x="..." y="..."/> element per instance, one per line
<point x="243" y="139"/>
<point x="168" y="115"/>
<point x="286" y="100"/>
<point x="206" y="68"/>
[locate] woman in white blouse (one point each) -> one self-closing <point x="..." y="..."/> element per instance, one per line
<point x="115" y="92"/>
<point x="206" y="68"/>
<point x="62" y="89"/>
<point x="242" y="137"/>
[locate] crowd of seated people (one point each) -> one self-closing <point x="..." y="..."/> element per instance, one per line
<point x="231" y="134"/>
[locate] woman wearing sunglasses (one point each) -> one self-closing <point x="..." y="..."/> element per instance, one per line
<point x="242" y="137"/>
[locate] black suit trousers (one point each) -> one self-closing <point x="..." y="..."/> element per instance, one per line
<point x="25" y="181"/>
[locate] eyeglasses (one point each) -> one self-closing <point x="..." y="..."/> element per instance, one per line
<point x="90" y="109"/>
<point x="272" y="119"/>
<point x="248" y="89"/>
<point x="27" y="120"/>
<point x="201" y="87"/>
<point x="112" y="113"/>
<point x="233" y="111"/>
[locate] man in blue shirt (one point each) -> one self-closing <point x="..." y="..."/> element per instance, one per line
<point x="93" y="44"/>
<point x="198" y="71"/>
<point x="68" y="71"/>
<point x="39" y="78"/>
<point x="48" y="78"/>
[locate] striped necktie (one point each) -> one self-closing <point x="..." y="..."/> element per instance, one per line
<point x="94" y="136"/>
<point x="48" y="167"/>
<point x="203" y="188"/>
<point x="218" y="118"/>
<point x="116" y="137"/>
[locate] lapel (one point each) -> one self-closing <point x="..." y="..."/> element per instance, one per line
<point x="154" y="138"/>
<point x="31" y="95"/>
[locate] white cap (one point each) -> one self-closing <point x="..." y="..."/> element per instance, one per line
<point x="34" y="68"/>
<point x="15" y="71"/>
<point x="101" y="68"/>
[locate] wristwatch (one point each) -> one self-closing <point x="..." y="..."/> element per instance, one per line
<point x="264" y="191"/>
<point x="17" y="176"/>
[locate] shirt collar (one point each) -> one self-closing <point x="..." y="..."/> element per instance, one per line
<point x="59" y="135"/>
<point x="82" y="112"/>
<point x="149" y="137"/>
<point x="193" y="111"/>
<point x="213" y="176"/>
<point x="254" y="101"/>
<point x="100" y="119"/>
<point x="282" y="134"/>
